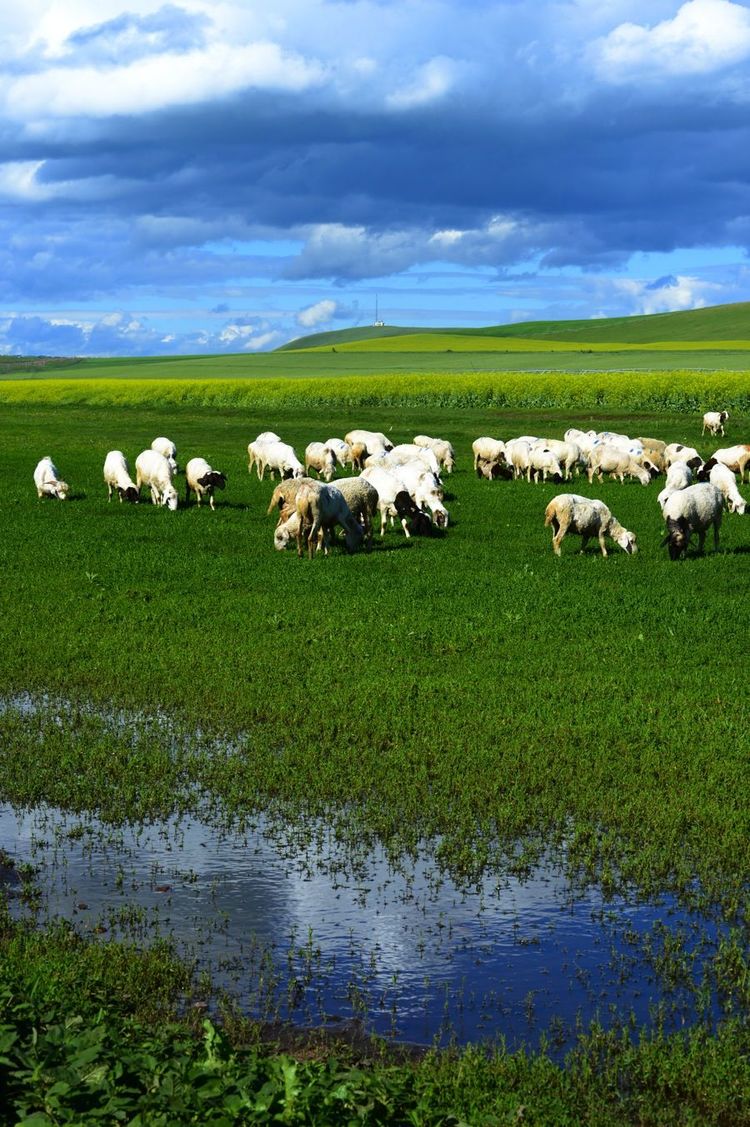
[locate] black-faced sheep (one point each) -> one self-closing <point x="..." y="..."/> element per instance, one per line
<point x="203" y="480"/>
<point x="695" y="509"/>
<point x="117" y="477"/>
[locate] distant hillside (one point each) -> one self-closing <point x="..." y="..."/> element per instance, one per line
<point x="712" y="324"/>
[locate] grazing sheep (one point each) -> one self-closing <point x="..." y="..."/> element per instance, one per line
<point x="117" y="476"/>
<point x="723" y="478"/>
<point x="154" y="469"/>
<point x="586" y="517"/>
<point x="518" y="454"/>
<point x="583" y="439"/>
<point x="201" y="478"/>
<point x="279" y="457"/>
<point x="491" y="470"/>
<point x="489" y="450"/>
<point x="359" y="454"/>
<point x="322" y="459"/>
<point x="394" y="499"/>
<point x="319" y="509"/>
<point x="285" y="493"/>
<point x="543" y="461"/>
<point x="691" y="510"/>
<point x="407" y="452"/>
<point x="679" y="476"/>
<point x="166" y="447"/>
<point x="255" y="449"/>
<point x="48" y="481"/>
<point x="567" y="453"/>
<point x="442" y="450"/>
<point x="341" y="449"/>
<point x="676" y="452"/>
<point x="713" y="421"/>
<point x="735" y="458"/>
<point x="373" y="439"/>
<point x="617" y="463"/>
<point x="362" y="498"/>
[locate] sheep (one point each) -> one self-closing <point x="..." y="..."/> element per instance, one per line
<point x="691" y="510"/>
<point x="48" y="481"/>
<point x="362" y="498"/>
<point x="442" y="450"/>
<point x="618" y="463"/>
<point x="723" y="478"/>
<point x="623" y="442"/>
<point x="319" y="509"/>
<point x="652" y="459"/>
<point x="154" y="469"/>
<point x="518" y="454"/>
<point x="284" y="494"/>
<point x="653" y="444"/>
<point x="735" y="458"/>
<point x="407" y="452"/>
<point x="200" y="477"/>
<point x="372" y="439"/>
<point x="676" y="452"/>
<point x="166" y="447"/>
<point x="117" y="476"/>
<point x="488" y="449"/>
<point x="491" y="470"/>
<point x="359" y="454"/>
<point x="587" y="517"/>
<point x="279" y="457"/>
<point x="341" y="449"/>
<point x="679" y="476"/>
<point x="567" y="453"/>
<point x="583" y="439"/>
<point x="255" y="450"/>
<point x="394" y="500"/>
<point x="543" y="461"/>
<point x="425" y="489"/>
<point x="713" y="421"/>
<point x="322" y="459"/>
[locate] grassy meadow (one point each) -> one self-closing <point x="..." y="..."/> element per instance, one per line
<point x="468" y="694"/>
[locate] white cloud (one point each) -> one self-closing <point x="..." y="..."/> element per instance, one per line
<point x="704" y="36"/>
<point x="433" y="80"/>
<point x="680" y="292"/>
<point x="159" y="81"/>
<point x="18" y="180"/>
<point x="316" y="314"/>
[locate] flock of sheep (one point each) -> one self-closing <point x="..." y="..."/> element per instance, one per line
<point x="404" y="482"/>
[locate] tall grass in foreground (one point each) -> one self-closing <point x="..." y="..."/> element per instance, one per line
<point x="682" y="391"/>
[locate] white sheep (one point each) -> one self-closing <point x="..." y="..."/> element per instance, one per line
<point x="616" y="462"/>
<point x="341" y="449"/>
<point x="203" y="480"/>
<point x="372" y="440"/>
<point x="154" y="470"/>
<point x="442" y="450"/>
<point x="117" y="477"/>
<point x="166" y="447"/>
<point x="735" y="457"/>
<point x="394" y="499"/>
<point x="584" y="439"/>
<point x="694" y="509"/>
<point x="281" y="458"/>
<point x="679" y="476"/>
<point x="543" y="462"/>
<point x="723" y="478"/>
<point x="676" y="452"/>
<point x="713" y="421"/>
<point x="255" y="449"/>
<point x="518" y="454"/>
<point x="322" y="459"/>
<point x="425" y="489"/>
<point x="567" y="453"/>
<point x="587" y="517"/>
<point x="488" y="450"/>
<point x="48" y="481"/>
<point x="319" y="508"/>
<point x="407" y="452"/>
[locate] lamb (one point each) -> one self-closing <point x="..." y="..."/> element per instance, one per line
<point x="154" y="469"/>
<point x="203" y="480"/>
<point x="488" y="450"/>
<point x="322" y="459"/>
<point x="442" y="450"/>
<point x="679" y="476"/>
<point x="618" y="463"/>
<point x="587" y="517"/>
<point x="713" y="421"/>
<point x="117" y="476"/>
<point x="319" y="509"/>
<point x="723" y="478"/>
<point x="166" y="447"/>
<point x="279" y="457"/>
<point x="735" y="458"/>
<point x="691" y="510"/>
<point x="48" y="481"/>
<point x="676" y="452"/>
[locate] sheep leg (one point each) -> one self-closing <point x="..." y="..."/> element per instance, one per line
<point x="602" y="545"/>
<point x="109" y="493"/>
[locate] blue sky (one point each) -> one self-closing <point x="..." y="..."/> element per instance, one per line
<point x="219" y="176"/>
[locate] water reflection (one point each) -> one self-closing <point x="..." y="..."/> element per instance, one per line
<point x="295" y="934"/>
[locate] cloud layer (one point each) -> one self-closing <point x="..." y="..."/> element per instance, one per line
<point x="284" y="164"/>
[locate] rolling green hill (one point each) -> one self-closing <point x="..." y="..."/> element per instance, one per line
<point x="708" y="326"/>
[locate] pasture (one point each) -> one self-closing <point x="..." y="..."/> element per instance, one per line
<point x="467" y="696"/>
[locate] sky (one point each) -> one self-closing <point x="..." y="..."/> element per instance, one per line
<point x="210" y="176"/>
